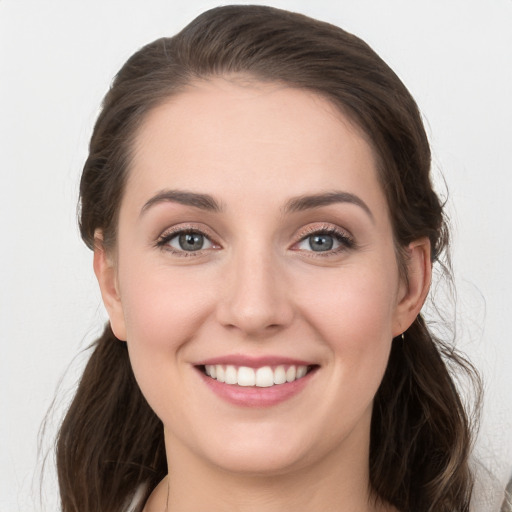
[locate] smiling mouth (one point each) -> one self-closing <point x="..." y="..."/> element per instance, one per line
<point x="262" y="377"/>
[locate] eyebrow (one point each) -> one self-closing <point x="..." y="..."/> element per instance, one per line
<point x="201" y="201"/>
<point x="296" y="204"/>
<point x="302" y="203"/>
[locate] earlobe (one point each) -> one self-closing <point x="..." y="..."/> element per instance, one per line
<point x="104" y="268"/>
<point x="419" y="275"/>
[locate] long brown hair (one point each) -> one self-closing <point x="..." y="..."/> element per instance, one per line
<point x="111" y="443"/>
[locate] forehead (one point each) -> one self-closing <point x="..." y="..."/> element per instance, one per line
<point x="225" y="133"/>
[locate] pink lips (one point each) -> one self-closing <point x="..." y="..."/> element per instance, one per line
<point x="251" y="396"/>
<point x="254" y="362"/>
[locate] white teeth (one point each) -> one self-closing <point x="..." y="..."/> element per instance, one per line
<point x="301" y="371"/>
<point x="279" y="375"/>
<point x="231" y="375"/>
<point x="219" y="370"/>
<point x="291" y="373"/>
<point x="246" y="376"/>
<point x="210" y="370"/>
<point x="263" y="377"/>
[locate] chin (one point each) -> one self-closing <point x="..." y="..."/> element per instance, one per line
<point x="260" y="462"/>
<point x="264" y="450"/>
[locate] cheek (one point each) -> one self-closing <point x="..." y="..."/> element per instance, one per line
<point x="161" y="304"/>
<point x="163" y="312"/>
<point x="353" y="316"/>
<point x="352" y="304"/>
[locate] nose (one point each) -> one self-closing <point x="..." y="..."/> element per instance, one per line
<point x="256" y="298"/>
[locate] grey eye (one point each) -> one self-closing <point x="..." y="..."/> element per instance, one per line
<point x="190" y="242"/>
<point x="320" y="242"/>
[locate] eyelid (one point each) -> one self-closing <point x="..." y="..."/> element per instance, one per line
<point x="344" y="237"/>
<point x="162" y="241"/>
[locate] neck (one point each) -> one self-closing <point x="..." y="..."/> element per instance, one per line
<point x="288" y="493"/>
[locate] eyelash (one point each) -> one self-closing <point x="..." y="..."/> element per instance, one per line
<point x="164" y="239"/>
<point x="345" y="240"/>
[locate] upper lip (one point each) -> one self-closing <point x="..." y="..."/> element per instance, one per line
<point x="253" y="362"/>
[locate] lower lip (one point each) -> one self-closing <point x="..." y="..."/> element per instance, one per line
<point x="255" y="396"/>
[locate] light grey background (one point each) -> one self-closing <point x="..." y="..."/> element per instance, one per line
<point x="56" y="61"/>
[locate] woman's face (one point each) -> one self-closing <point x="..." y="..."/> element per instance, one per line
<point x="255" y="244"/>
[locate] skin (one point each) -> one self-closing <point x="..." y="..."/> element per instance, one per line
<point x="258" y="288"/>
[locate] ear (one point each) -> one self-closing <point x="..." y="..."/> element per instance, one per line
<point x="414" y="290"/>
<point x="105" y="270"/>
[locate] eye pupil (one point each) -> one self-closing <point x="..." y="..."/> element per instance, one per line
<point x="321" y="242"/>
<point x="191" y="241"/>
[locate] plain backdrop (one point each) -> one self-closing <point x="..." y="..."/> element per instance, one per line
<point x="57" y="59"/>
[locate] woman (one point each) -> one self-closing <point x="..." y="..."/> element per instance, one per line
<point x="257" y="196"/>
